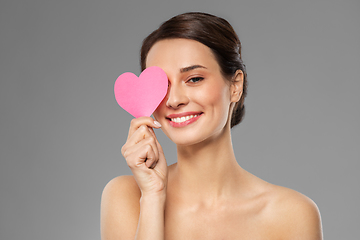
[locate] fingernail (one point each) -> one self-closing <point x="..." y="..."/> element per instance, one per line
<point x="157" y="123"/>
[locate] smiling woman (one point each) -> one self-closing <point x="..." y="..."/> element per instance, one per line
<point x="213" y="32"/>
<point x="210" y="99"/>
<point x="206" y="194"/>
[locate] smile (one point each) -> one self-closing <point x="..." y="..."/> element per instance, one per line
<point x="183" y="119"/>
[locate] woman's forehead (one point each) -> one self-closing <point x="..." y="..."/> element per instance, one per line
<point x="180" y="53"/>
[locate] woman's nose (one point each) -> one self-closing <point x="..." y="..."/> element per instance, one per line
<point x="176" y="97"/>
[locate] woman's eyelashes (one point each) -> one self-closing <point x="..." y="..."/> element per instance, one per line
<point x="195" y="79"/>
<point x="191" y="80"/>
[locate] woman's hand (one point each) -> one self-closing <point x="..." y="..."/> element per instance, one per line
<point x="145" y="156"/>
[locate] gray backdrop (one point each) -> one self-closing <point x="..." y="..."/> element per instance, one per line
<point x="62" y="130"/>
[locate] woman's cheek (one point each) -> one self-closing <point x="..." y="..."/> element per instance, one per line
<point x="212" y="94"/>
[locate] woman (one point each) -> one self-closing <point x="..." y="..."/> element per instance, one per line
<point x="206" y="194"/>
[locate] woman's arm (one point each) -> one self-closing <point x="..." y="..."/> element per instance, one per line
<point x="132" y="207"/>
<point x="125" y="214"/>
<point x="151" y="220"/>
<point x="120" y="209"/>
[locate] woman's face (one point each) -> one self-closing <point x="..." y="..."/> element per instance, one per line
<point x="198" y="100"/>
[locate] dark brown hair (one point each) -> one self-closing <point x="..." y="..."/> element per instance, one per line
<point x="212" y="31"/>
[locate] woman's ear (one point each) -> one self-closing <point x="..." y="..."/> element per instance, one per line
<point x="237" y="84"/>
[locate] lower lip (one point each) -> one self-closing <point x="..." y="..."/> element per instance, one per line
<point x="183" y="124"/>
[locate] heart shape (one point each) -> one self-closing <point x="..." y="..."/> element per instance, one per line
<point x="140" y="96"/>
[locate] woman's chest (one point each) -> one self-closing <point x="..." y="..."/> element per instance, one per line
<point x="227" y="223"/>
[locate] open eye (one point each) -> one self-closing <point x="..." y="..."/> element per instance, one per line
<point x="195" y="79"/>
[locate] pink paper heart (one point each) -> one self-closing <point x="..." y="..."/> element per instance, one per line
<point x="140" y="96"/>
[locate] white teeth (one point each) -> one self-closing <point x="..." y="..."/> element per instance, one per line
<point x="183" y="119"/>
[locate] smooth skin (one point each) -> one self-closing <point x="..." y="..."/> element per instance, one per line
<point x="206" y="194"/>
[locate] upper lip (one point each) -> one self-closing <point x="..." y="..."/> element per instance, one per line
<point x="183" y="114"/>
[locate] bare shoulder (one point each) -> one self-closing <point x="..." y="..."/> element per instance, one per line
<point x="120" y="184"/>
<point x="294" y="215"/>
<point x="120" y="208"/>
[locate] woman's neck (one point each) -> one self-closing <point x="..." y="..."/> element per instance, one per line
<point x="208" y="171"/>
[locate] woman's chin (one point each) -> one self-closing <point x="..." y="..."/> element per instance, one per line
<point x="187" y="140"/>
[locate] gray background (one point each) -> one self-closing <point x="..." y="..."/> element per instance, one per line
<point x="62" y="130"/>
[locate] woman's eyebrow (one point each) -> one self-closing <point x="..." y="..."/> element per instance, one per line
<point x="192" y="67"/>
